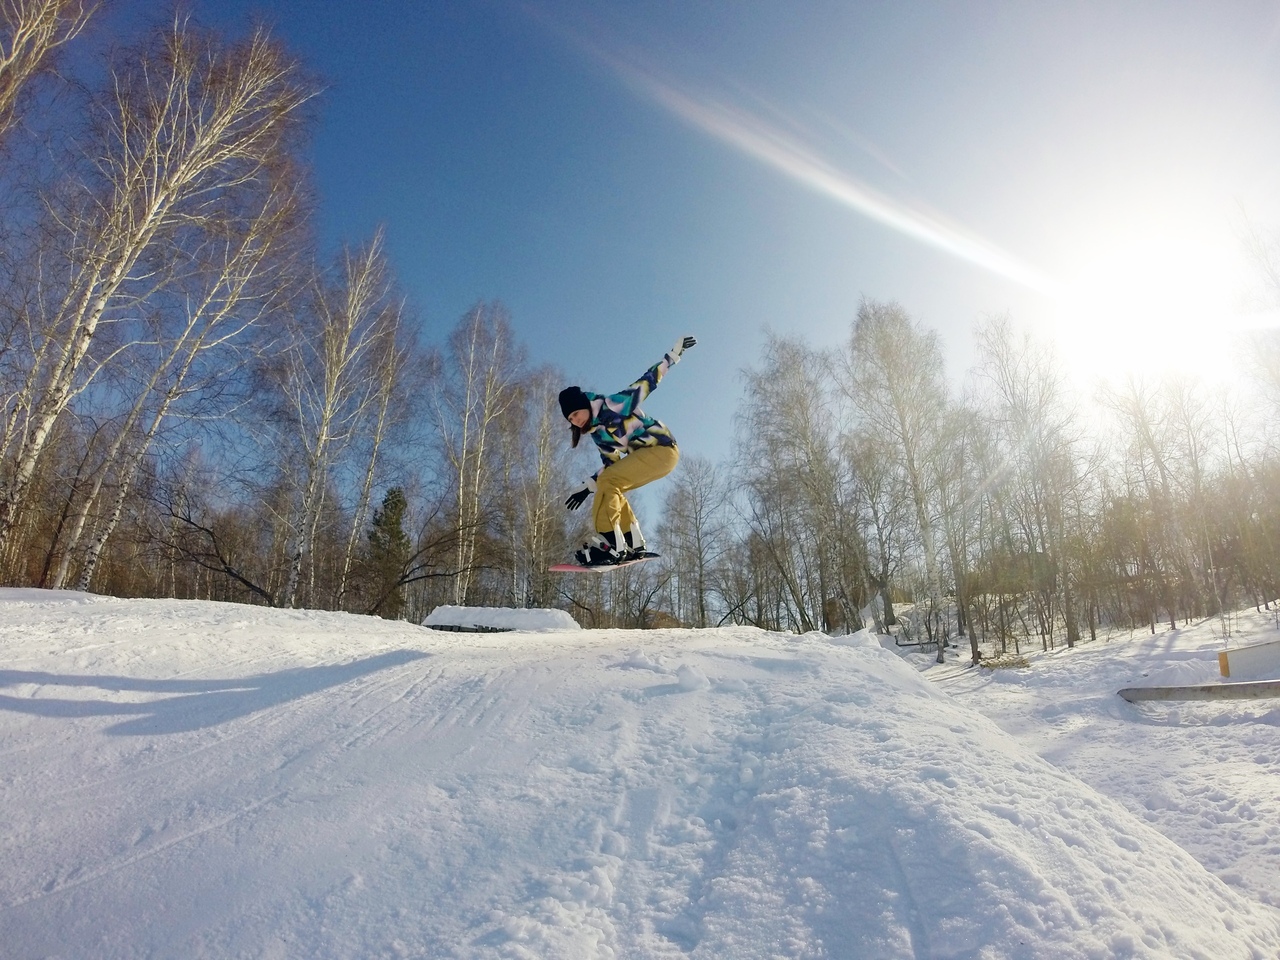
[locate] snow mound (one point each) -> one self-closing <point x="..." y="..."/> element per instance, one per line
<point x="1181" y="673"/>
<point x="37" y="595"/>
<point x="639" y="660"/>
<point x="691" y="678"/>
<point x="859" y="638"/>
<point x="195" y="779"/>
<point x="536" y="620"/>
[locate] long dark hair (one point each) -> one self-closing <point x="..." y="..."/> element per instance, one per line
<point x="573" y="399"/>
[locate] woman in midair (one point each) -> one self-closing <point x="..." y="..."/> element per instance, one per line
<point x="636" y="449"/>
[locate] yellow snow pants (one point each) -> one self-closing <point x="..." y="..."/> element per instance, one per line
<point x="640" y="466"/>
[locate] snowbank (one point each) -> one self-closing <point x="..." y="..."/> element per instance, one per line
<point x="37" y="595"/>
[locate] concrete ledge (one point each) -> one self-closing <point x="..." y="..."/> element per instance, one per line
<point x="1253" y="659"/>
<point x="1249" y="690"/>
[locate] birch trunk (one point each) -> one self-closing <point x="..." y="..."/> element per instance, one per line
<point x="389" y="376"/>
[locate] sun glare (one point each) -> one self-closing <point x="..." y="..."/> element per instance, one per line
<point x="1153" y="302"/>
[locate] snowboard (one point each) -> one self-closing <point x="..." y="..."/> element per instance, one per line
<point x="600" y="567"/>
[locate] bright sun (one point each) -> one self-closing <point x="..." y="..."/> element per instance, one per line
<point x="1153" y="301"/>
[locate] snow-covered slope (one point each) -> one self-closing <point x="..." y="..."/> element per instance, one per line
<point x="208" y="780"/>
<point x="1206" y="774"/>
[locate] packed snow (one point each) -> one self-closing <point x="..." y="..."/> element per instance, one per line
<point x="185" y="779"/>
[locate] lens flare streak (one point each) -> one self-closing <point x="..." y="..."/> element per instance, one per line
<point x="758" y="139"/>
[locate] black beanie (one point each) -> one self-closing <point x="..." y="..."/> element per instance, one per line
<point x="571" y="399"/>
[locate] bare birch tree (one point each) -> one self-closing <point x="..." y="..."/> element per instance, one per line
<point x="240" y="272"/>
<point x="187" y="119"/>
<point x="541" y="451"/>
<point x="695" y="527"/>
<point x="340" y="337"/>
<point x="479" y="383"/>
<point x="1035" y="422"/>
<point x="30" y="32"/>
<point x="884" y="513"/>
<point x="788" y="471"/>
<point x="895" y="380"/>
<point x="388" y="367"/>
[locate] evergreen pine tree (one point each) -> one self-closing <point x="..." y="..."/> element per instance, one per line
<point x="389" y="550"/>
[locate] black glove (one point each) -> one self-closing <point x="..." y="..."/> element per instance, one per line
<point x="578" y="498"/>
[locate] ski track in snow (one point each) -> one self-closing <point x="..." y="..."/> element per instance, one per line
<point x="210" y="780"/>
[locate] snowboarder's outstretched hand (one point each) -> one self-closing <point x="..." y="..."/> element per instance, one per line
<point x="577" y="498"/>
<point x="683" y="344"/>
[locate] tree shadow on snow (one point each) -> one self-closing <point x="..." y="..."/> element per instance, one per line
<point x="199" y="703"/>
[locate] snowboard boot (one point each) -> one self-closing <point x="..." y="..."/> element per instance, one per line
<point x="633" y="549"/>
<point x="599" y="550"/>
<point x="635" y="543"/>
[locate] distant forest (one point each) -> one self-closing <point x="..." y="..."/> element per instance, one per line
<point x="198" y="405"/>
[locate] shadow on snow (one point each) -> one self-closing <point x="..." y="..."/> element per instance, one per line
<point x="199" y="703"/>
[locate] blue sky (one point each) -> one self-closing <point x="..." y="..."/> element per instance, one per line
<point x="619" y="173"/>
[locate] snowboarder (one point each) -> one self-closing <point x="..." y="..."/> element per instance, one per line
<point x="636" y="449"/>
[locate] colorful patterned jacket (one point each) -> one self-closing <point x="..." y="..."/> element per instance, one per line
<point x="618" y="425"/>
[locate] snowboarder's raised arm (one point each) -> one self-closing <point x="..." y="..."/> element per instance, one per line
<point x="625" y="401"/>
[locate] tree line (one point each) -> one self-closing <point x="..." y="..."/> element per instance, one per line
<point x="199" y="404"/>
<point x="1008" y="511"/>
